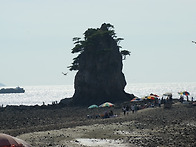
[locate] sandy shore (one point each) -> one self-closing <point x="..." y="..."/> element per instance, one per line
<point x="69" y="126"/>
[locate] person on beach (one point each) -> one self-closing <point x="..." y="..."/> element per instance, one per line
<point x="133" y="108"/>
<point x="106" y="115"/>
<point x="170" y="98"/>
<point x="181" y="99"/>
<point x="111" y="113"/>
<point x="187" y="98"/>
<point x="159" y="102"/>
<point x="127" y="109"/>
<point x="124" y="110"/>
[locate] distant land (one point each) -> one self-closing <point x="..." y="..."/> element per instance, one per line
<point x="1" y="85"/>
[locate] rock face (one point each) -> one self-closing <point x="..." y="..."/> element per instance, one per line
<point x="100" y="76"/>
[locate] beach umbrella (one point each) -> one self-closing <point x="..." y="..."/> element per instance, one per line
<point x="10" y="141"/>
<point x="184" y="93"/>
<point x="92" y="106"/>
<point x="151" y="97"/>
<point x="136" y="99"/>
<point x="106" y="104"/>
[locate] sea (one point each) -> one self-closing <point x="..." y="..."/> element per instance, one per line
<point x="48" y="94"/>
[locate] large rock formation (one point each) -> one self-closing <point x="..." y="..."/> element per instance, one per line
<point x="99" y="77"/>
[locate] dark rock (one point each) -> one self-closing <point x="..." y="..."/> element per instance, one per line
<point x="66" y="101"/>
<point x="100" y="76"/>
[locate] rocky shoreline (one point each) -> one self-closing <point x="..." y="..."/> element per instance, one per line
<point x="66" y="126"/>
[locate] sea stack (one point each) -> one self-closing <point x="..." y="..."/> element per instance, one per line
<point x="99" y="77"/>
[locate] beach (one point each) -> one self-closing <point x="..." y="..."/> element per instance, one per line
<point x="70" y="126"/>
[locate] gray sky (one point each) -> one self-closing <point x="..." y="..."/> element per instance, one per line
<point x="36" y="38"/>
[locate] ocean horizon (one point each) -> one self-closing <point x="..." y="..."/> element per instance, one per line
<point x="47" y="94"/>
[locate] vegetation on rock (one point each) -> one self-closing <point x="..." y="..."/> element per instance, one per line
<point x="96" y="41"/>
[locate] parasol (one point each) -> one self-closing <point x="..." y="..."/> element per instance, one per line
<point x="106" y="104"/>
<point x="10" y="141"/>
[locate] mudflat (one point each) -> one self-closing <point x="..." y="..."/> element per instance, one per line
<point x="70" y="126"/>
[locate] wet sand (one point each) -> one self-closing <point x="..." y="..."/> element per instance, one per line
<point x="69" y="126"/>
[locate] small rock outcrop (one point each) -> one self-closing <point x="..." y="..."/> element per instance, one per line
<point x="99" y="64"/>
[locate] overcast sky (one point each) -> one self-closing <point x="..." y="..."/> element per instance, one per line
<point x="36" y="38"/>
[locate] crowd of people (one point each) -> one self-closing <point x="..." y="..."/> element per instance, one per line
<point x="133" y="107"/>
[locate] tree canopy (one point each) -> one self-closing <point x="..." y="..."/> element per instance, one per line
<point x="95" y="40"/>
